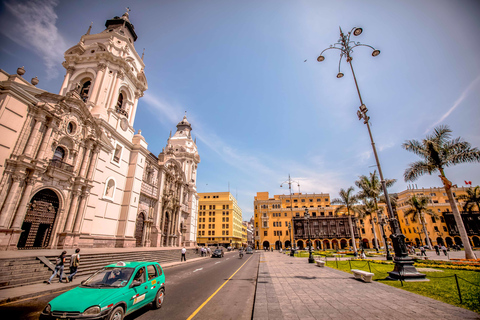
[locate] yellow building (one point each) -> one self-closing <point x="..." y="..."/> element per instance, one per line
<point x="276" y="217"/>
<point x="244" y="234"/>
<point x="219" y="220"/>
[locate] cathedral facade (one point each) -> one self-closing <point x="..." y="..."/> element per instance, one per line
<point x="73" y="170"/>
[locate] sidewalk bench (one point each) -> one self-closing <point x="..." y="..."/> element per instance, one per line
<point x="362" y="275"/>
<point x="320" y="263"/>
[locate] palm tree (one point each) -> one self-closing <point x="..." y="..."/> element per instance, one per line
<point x="347" y="200"/>
<point x="418" y="209"/>
<point x="439" y="152"/>
<point x="371" y="188"/>
<point x="365" y="210"/>
<point x="471" y="199"/>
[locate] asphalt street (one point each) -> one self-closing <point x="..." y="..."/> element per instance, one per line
<point x="214" y="288"/>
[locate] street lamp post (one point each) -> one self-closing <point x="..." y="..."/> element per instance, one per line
<point x="290" y="233"/>
<point x="382" y="222"/>
<point x="404" y="268"/>
<point x="307" y="219"/>
<point x="289" y="181"/>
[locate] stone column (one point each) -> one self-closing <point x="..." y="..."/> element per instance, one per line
<point x="79" y="159"/>
<point x="138" y="95"/>
<point x="85" y="161"/>
<point x="80" y="212"/>
<point x="64" y="86"/>
<point x="112" y="101"/>
<point x="93" y="162"/>
<point x="46" y="140"/>
<point x="71" y="211"/>
<point x="22" y="208"/>
<point x="98" y="81"/>
<point x="10" y="202"/>
<point x="33" y="137"/>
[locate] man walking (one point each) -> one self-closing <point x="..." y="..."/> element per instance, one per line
<point x="437" y="249"/>
<point x="444" y="249"/>
<point x="184" y="251"/>
<point x="74" y="262"/>
<point x="423" y="251"/>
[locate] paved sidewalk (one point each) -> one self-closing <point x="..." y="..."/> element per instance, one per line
<point x="291" y="288"/>
<point x="38" y="289"/>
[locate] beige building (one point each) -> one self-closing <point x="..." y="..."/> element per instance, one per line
<point x="219" y="220"/>
<point x="74" y="172"/>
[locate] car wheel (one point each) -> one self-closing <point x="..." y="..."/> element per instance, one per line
<point x="157" y="304"/>
<point x="117" y="314"/>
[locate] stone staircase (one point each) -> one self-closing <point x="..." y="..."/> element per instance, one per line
<point x="30" y="270"/>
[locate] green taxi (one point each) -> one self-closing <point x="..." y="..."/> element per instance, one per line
<point x="111" y="293"/>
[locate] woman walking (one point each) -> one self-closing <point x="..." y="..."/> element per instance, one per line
<point x="59" y="266"/>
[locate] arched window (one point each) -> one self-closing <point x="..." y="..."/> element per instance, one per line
<point x="120" y="106"/>
<point x="59" y="154"/>
<point x="120" y="101"/>
<point x="85" y="90"/>
<point x="109" y="189"/>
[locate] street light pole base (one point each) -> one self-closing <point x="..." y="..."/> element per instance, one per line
<point x="405" y="271"/>
<point x="292" y="253"/>
<point x="311" y="260"/>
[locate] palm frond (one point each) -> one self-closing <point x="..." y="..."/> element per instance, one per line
<point x="418" y="169"/>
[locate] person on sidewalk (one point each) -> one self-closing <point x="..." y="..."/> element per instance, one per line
<point x="74" y="262"/>
<point x="184" y="252"/>
<point x="444" y="249"/>
<point x="59" y="266"/>
<point x="437" y="249"/>
<point x="423" y="251"/>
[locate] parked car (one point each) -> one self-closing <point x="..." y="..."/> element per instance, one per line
<point x="112" y="292"/>
<point x="249" y="250"/>
<point x="217" y="253"/>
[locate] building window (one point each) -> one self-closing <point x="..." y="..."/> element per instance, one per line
<point x="265" y="233"/>
<point x="85" y="90"/>
<point x="117" y="155"/>
<point x="109" y="189"/>
<point x="59" y="154"/>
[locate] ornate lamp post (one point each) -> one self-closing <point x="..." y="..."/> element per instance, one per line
<point x="307" y="219"/>
<point x="289" y="181"/>
<point x="404" y="268"/>
<point x="290" y="233"/>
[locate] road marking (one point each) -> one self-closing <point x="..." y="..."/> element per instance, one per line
<point x="218" y="262"/>
<point x="209" y="298"/>
<point x="198" y="270"/>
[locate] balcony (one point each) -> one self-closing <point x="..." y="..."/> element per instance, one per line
<point x="122" y="111"/>
<point x="59" y="169"/>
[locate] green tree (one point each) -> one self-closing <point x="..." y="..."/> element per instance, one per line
<point x="347" y="200"/>
<point x="418" y="209"/>
<point x="438" y="151"/>
<point x="365" y="211"/>
<point x="371" y="188"/>
<point x="471" y="199"/>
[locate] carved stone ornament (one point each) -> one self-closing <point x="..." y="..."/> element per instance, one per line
<point x="124" y="124"/>
<point x="101" y="66"/>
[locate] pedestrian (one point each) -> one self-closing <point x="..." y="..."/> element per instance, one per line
<point x="362" y="255"/>
<point x="209" y="251"/>
<point x="74" y="262"/>
<point x="423" y="251"/>
<point x="444" y="249"/>
<point x="184" y="252"/>
<point x="437" y="249"/>
<point x="59" y="266"/>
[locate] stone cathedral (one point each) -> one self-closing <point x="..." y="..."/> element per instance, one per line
<point x="73" y="171"/>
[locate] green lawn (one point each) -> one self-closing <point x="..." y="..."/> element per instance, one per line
<point x="442" y="285"/>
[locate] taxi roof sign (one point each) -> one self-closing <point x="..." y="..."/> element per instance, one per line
<point x="121" y="264"/>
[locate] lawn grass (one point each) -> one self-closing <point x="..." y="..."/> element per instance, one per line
<point x="442" y="285"/>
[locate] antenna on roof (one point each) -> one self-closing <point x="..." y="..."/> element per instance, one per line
<point x="89" y="28"/>
<point x="143" y="54"/>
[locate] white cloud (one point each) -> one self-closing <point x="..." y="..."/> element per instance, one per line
<point x="31" y="24"/>
<point x="462" y="97"/>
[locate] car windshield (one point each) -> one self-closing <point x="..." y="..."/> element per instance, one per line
<point x="218" y="251"/>
<point x="112" y="277"/>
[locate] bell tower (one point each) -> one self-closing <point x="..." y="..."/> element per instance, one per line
<point x="107" y="72"/>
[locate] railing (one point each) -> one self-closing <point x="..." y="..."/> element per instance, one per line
<point x="56" y="163"/>
<point x="122" y="112"/>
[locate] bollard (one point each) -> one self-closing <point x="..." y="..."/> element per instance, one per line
<point x="458" y="288"/>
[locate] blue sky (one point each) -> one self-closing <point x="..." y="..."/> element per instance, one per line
<point x="258" y="111"/>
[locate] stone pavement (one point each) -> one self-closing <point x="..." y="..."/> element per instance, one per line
<point x="291" y="288"/>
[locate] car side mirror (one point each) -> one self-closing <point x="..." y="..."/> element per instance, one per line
<point x="135" y="283"/>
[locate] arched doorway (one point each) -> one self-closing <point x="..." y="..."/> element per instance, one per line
<point x="417" y="242"/>
<point x="449" y="241"/>
<point x="343" y="243"/>
<point x="365" y="244"/>
<point x="476" y="242"/>
<point x="335" y="244"/>
<point x="288" y="244"/>
<point x="458" y="241"/>
<point x="139" y="229"/>
<point x="165" y="229"/>
<point x="278" y="245"/>
<point x="266" y="245"/>
<point x="440" y="241"/>
<point x="39" y="221"/>
<point x="318" y="244"/>
<point x="326" y="244"/>
<point x="300" y="244"/>
<point x="258" y="246"/>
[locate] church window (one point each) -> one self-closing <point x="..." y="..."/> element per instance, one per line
<point x="85" y="90"/>
<point x="117" y="155"/>
<point x="109" y="189"/>
<point x="59" y="154"/>
<point x="71" y="127"/>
